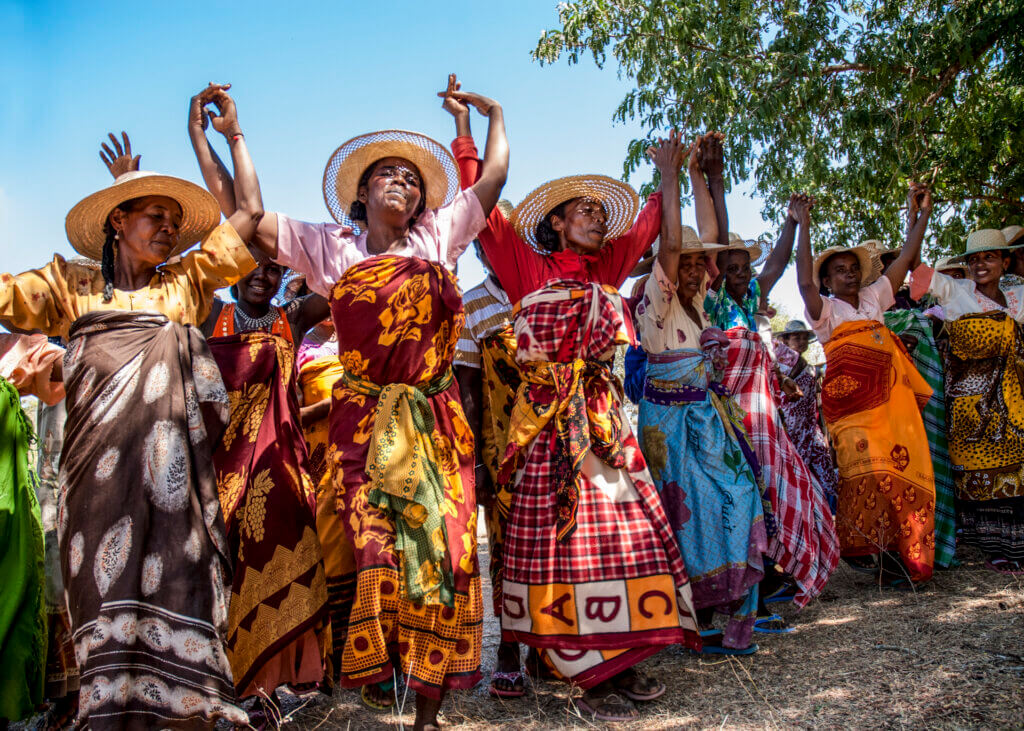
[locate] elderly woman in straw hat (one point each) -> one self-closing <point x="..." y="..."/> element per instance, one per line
<point x="693" y="438"/>
<point x="583" y="508"/>
<point x="801" y="538"/>
<point x="143" y="549"/>
<point x="985" y="405"/>
<point x="401" y="453"/>
<point x="872" y="398"/>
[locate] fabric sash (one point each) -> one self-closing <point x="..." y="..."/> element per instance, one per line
<point x="407" y="485"/>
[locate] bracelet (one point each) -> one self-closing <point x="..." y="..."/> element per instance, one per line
<point x="236" y="136"/>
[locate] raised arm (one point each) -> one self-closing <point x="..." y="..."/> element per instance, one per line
<point x="216" y="177"/>
<point x="494" y="168"/>
<point x="919" y="210"/>
<point x="707" y="222"/>
<point x="712" y="162"/>
<point x="804" y="260"/>
<point x="667" y="156"/>
<point x="778" y="260"/>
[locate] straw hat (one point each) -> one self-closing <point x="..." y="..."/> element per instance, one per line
<point x="753" y="248"/>
<point x="946" y="263"/>
<point x="86" y="221"/>
<point x="984" y="239"/>
<point x="870" y="266"/>
<point x="796" y="327"/>
<point x="619" y="199"/>
<point x="346" y="166"/>
<point x="1013" y="235"/>
<point x="691" y="243"/>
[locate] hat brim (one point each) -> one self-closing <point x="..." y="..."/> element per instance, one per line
<point x="620" y="202"/>
<point x="811" y="337"/>
<point x="86" y="221"/>
<point x="961" y="259"/>
<point x="870" y="267"/>
<point x="437" y="168"/>
<point x="646" y="265"/>
<point x="754" y="250"/>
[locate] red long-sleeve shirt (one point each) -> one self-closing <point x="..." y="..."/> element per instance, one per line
<point x="521" y="269"/>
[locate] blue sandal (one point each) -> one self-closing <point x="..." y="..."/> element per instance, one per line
<point x="763" y="625"/>
<point x="720" y="650"/>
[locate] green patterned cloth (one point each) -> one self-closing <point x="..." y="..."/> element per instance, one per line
<point x="929" y="364"/>
<point x="22" y="609"/>
<point x="407" y="484"/>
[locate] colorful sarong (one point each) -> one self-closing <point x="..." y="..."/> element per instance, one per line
<point x="928" y="362"/>
<point x="711" y="495"/>
<point x="803" y="539"/>
<point x="398" y="320"/>
<point x="61" y="668"/>
<point x="22" y="573"/>
<point x="317" y="378"/>
<point x="277" y="614"/>
<point x="144" y="554"/>
<point x="872" y="398"/>
<point x="986" y="437"/>
<point x="593" y="574"/>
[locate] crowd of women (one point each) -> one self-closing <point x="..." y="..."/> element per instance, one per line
<point x="281" y="490"/>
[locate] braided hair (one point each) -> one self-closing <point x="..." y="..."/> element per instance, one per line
<point x="357" y="211"/>
<point x="107" y="258"/>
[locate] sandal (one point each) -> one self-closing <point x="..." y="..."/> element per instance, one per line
<point x="863" y="564"/>
<point x="612" y="708"/>
<point x="723" y="650"/>
<point x="638" y="687"/>
<point x="784" y="593"/>
<point x="1004" y="566"/>
<point x="516" y="681"/>
<point x="384" y="699"/>
<point x="772" y="625"/>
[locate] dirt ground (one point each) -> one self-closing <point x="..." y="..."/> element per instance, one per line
<point x="948" y="656"/>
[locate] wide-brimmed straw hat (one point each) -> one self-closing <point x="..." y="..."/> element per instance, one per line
<point x="691" y="243"/>
<point x="86" y="221"/>
<point x="984" y="239"/>
<point x="796" y="327"/>
<point x="437" y="168"/>
<point x="870" y="266"/>
<point x="738" y="243"/>
<point x="1013" y="235"/>
<point x="946" y="263"/>
<point x="619" y="199"/>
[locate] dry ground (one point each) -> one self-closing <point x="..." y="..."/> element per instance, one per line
<point x="949" y="656"/>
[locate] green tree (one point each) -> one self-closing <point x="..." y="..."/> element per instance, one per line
<point x="846" y="99"/>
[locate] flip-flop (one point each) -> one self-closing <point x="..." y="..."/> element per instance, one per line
<point x="860" y="565"/>
<point x="784" y="593"/>
<point x="762" y="625"/>
<point x="720" y="650"/>
<point x="1004" y="566"/>
<point x="517" y="679"/>
<point x="713" y="632"/>
<point x="596" y="715"/>
<point x="658" y="691"/>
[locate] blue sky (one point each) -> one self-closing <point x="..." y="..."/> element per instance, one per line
<point x="306" y="77"/>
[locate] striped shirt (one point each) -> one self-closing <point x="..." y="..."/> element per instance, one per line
<point x="488" y="310"/>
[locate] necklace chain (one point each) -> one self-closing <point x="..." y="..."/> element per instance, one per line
<point x="244" y="323"/>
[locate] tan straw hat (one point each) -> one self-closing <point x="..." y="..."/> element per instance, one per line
<point x="620" y="201"/>
<point x="870" y="266"/>
<point x="984" y="239"/>
<point x="738" y="243"/>
<point x="945" y="264"/>
<point x="1013" y="234"/>
<point x="691" y="243"/>
<point x="86" y="221"/>
<point x="346" y="166"/>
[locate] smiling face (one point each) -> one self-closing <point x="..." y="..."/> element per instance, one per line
<point x="987" y="267"/>
<point x="841" y="274"/>
<point x="258" y="287"/>
<point x="393" y="192"/>
<point x="692" y="270"/>
<point x="148" y="230"/>
<point x="582" y="226"/>
<point x="735" y="266"/>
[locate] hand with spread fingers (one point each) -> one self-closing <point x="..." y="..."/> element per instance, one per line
<point x="122" y="162"/>
<point x="667" y="154"/>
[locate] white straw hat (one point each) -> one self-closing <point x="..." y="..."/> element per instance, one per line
<point x="945" y="264"/>
<point x="691" y="244"/>
<point x="437" y="168"/>
<point x="738" y="243"/>
<point x="85" y="222"/>
<point x="870" y="266"/>
<point x="984" y="239"/>
<point x="1013" y="234"/>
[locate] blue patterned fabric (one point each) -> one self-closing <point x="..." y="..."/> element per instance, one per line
<point x="724" y="312"/>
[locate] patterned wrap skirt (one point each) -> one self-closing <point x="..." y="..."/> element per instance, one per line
<point x="317" y="379"/>
<point x="803" y="540"/>
<point x="872" y="398"/>
<point x="277" y="617"/>
<point x="986" y="438"/>
<point x="593" y="575"/>
<point x="144" y="555"/>
<point x="398" y="320"/>
<point x="691" y="438"/>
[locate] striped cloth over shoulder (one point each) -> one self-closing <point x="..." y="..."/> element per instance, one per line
<point x="488" y="310"/>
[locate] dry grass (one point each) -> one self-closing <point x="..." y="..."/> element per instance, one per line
<point x="949" y="656"/>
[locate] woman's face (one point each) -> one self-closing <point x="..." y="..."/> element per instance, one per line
<point x="987" y="267"/>
<point x="583" y="226"/>
<point x="798" y="342"/>
<point x="259" y="286"/>
<point x="842" y="275"/>
<point x="735" y="266"/>
<point x="393" y="191"/>
<point x="955" y="273"/>
<point x="148" y="233"/>
<point x="692" y="270"/>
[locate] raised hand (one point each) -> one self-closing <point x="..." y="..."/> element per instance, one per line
<point x="667" y="154"/>
<point x="453" y="106"/>
<point x="225" y="120"/>
<point x="712" y="156"/>
<point x="122" y="162"/>
<point x="800" y="205"/>
<point x="693" y="159"/>
<point x="459" y="98"/>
